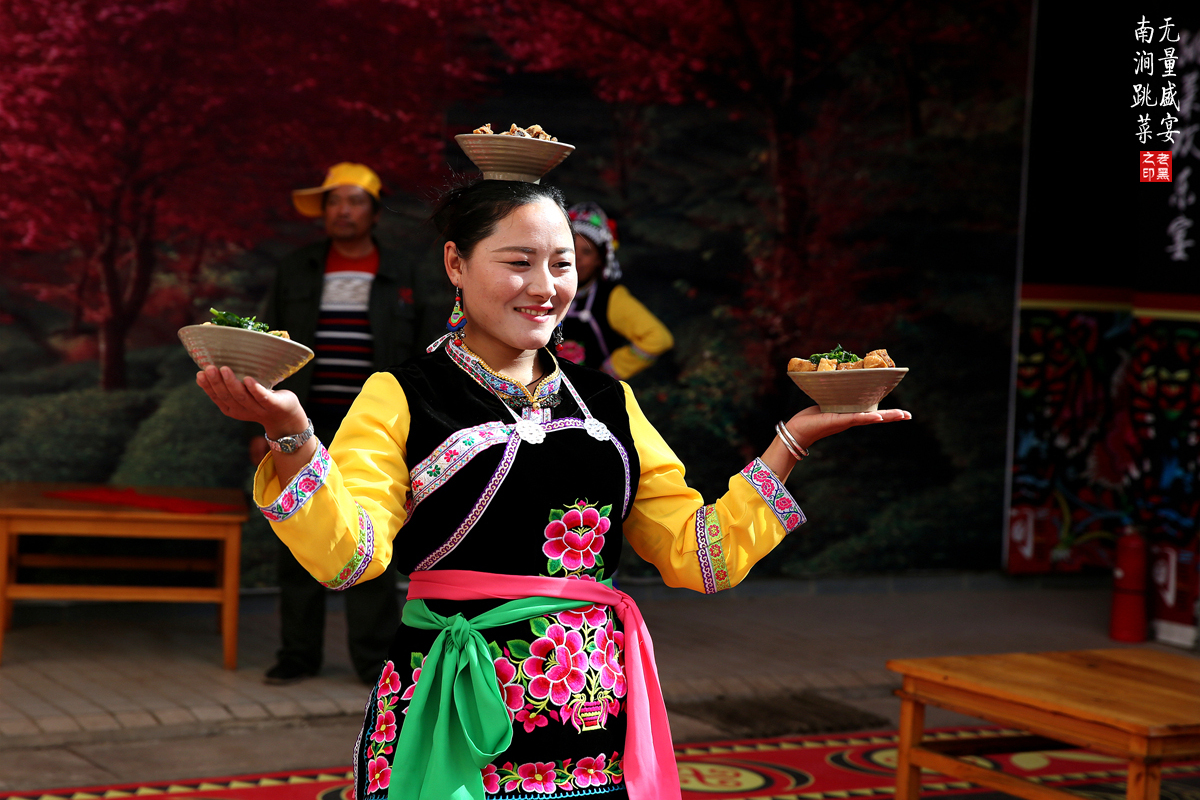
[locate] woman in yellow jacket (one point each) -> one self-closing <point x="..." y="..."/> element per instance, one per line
<point x="607" y="328"/>
<point x="503" y="482"/>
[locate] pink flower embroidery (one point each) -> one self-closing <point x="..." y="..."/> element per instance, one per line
<point x="557" y="665"/>
<point x="594" y="616"/>
<point x="531" y="719"/>
<point x="287" y="502"/>
<point x="576" y="538"/>
<point x="379" y="773"/>
<point x="306" y="484"/>
<point x="512" y="691"/>
<point x="792" y="521"/>
<point x="537" y="777"/>
<point x="590" y="772"/>
<point x="491" y="780"/>
<point x="408" y="693"/>
<point x="783" y="503"/>
<point x="385" y="727"/>
<point x="389" y="681"/>
<point x="769" y="487"/>
<point x="607" y="657"/>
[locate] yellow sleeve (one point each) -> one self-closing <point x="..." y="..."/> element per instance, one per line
<point x="340" y="513"/>
<point x="696" y="546"/>
<point x="648" y="337"/>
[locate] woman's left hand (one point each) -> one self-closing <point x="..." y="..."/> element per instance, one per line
<point x="812" y="424"/>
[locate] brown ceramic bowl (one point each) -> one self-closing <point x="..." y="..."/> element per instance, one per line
<point x="266" y="358"/>
<point x="512" y="158"/>
<point x="847" y="391"/>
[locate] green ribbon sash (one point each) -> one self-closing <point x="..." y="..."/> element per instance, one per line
<point x="457" y="722"/>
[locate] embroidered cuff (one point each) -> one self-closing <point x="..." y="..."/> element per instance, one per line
<point x="649" y="358"/>
<point x="302" y="487"/>
<point x="777" y="498"/>
<point x="357" y="565"/>
<point x="711" y="550"/>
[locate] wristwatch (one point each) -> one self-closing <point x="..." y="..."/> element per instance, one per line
<point x="290" y="444"/>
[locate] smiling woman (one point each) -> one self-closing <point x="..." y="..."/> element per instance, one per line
<point x="517" y="282"/>
<point x="504" y="481"/>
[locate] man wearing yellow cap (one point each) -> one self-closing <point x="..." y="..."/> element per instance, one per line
<point x="353" y="303"/>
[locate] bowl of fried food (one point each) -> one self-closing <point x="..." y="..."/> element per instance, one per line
<point x="246" y="346"/>
<point x="518" y="154"/>
<point x="842" y="383"/>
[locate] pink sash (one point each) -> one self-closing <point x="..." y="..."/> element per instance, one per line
<point x="650" y="771"/>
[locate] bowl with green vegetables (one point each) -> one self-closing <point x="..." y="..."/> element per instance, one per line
<point x="246" y="346"/>
<point x="842" y="383"/>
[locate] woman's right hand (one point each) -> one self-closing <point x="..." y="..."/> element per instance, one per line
<point x="279" y="412"/>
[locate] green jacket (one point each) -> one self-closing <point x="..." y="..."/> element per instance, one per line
<point x="401" y="320"/>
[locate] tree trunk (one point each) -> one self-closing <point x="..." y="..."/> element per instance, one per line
<point x="112" y="354"/>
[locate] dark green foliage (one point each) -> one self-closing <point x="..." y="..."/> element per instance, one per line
<point x="54" y="379"/>
<point x="73" y="436"/>
<point x="186" y="442"/>
<point x="947" y="527"/>
<point x="19" y="352"/>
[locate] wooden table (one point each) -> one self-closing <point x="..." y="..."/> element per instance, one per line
<point x="25" y="510"/>
<point x="1137" y="704"/>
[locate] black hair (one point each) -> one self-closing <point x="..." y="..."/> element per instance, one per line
<point x="467" y="214"/>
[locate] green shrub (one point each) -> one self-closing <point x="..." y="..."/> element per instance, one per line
<point x="18" y="351"/>
<point x="73" y="436"/>
<point x="73" y="377"/>
<point x="186" y="442"/>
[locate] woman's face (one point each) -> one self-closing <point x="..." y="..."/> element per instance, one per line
<point x="518" y="282"/>
<point x="587" y="258"/>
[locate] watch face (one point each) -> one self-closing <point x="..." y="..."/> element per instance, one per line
<point x="287" y="443"/>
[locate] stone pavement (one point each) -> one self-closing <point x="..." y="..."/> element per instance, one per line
<point x="106" y="693"/>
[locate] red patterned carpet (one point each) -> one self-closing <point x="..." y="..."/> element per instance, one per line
<point x="787" y="768"/>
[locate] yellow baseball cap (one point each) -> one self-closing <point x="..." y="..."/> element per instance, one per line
<point x="308" y="201"/>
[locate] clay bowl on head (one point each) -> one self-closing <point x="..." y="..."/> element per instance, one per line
<point x="512" y="158"/>
<point x="846" y="391"/>
<point x="266" y="358"/>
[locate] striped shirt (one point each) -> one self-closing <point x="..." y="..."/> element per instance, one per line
<point x="344" y="347"/>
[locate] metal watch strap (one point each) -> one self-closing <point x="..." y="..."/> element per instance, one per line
<point x="292" y="443"/>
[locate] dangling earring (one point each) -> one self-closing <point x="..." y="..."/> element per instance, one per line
<point x="458" y="318"/>
<point x="557" y="338"/>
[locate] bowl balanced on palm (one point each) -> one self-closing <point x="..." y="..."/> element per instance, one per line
<point x="840" y="382"/>
<point x="246" y="346"/>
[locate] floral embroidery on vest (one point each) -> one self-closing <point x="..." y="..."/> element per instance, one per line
<point x="575" y="537"/>
<point x="570" y="673"/>
<point x="380" y="742"/>
<point x="451" y="456"/>
<point x="553" y="777"/>
<point x="300" y="488"/>
<point x="777" y="498"/>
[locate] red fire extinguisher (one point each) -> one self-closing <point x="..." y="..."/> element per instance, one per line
<point x="1128" y="620"/>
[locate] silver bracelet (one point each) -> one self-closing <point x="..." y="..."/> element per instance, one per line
<point x="790" y="442"/>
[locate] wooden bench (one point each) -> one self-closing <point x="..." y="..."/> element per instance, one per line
<point x="26" y="509"/>
<point x="1140" y="705"/>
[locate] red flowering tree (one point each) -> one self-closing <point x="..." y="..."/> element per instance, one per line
<point x="817" y="77"/>
<point x="134" y="137"/>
